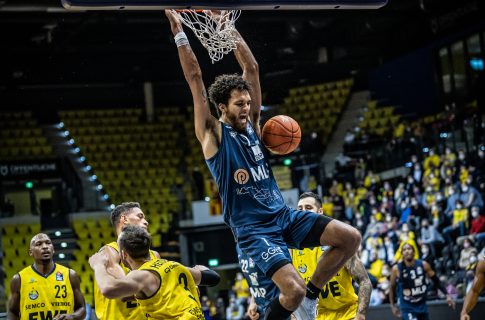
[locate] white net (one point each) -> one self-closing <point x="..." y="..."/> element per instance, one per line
<point x="213" y="28"/>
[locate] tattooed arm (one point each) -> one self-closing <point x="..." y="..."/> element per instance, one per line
<point x="359" y="274"/>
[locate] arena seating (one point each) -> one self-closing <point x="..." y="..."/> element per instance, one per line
<point x="317" y="107"/>
<point x="16" y="242"/>
<point x="378" y="120"/>
<point x="21" y="138"/>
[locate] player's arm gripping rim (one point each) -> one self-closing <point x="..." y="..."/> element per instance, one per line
<point x="394" y="275"/>
<point x="207" y="128"/>
<point x="359" y="274"/>
<point x="13" y="309"/>
<point x="472" y="296"/>
<point x="250" y="68"/>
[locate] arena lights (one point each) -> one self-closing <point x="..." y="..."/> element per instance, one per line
<point x="29" y="184"/>
<point x="444" y="135"/>
<point x="65" y="133"/>
<point x="62" y="255"/>
<point x="99" y="187"/>
<point x="105" y="197"/>
<point x="87" y="168"/>
<point x="112" y="206"/>
<point x="77" y="150"/>
<point x="70" y="142"/>
<point x="60" y="125"/>
<point x="63" y="244"/>
<point x="408" y="164"/>
<point x="287" y="162"/>
<point x="425" y="149"/>
<point x="93" y="177"/>
<point x="82" y="158"/>
<point x="57" y="233"/>
<point x="213" y="262"/>
<point x="207" y="199"/>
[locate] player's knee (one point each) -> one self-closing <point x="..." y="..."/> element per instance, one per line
<point x="295" y="291"/>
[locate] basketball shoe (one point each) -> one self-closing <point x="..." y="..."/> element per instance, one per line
<point x="307" y="310"/>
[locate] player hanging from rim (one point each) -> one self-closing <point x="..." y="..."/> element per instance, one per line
<point x="45" y="290"/>
<point x="338" y="300"/>
<point x="472" y="295"/>
<point x="163" y="289"/>
<point x="410" y="275"/>
<point x="127" y="213"/>
<point x="253" y="206"/>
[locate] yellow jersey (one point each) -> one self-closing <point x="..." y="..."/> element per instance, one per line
<point x="177" y="297"/>
<point x="44" y="297"/>
<point x="338" y="299"/>
<point x="113" y="309"/>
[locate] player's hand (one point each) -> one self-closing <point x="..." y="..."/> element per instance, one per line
<point x="395" y="311"/>
<point x="253" y="311"/>
<point x="175" y="23"/>
<point x="97" y="259"/>
<point x="465" y="316"/>
<point x="450" y="302"/>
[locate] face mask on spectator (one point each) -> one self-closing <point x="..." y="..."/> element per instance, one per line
<point x="459" y="206"/>
<point x="461" y="156"/>
<point x="429" y="189"/>
<point x="424" y="250"/>
<point x="448" y="151"/>
<point x="405" y="228"/>
<point x="464" y="188"/>
<point x="474" y="213"/>
<point x="451" y="191"/>
<point x="388" y="218"/>
<point x="372" y="201"/>
<point x="414" y="203"/>
<point x="385" y="272"/>
<point x="403" y="205"/>
<point x="360" y="223"/>
<point x="439" y="197"/>
<point x="481" y="154"/>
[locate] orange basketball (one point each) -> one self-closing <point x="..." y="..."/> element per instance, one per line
<point x="281" y="134"/>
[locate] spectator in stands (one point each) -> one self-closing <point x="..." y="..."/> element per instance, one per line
<point x="451" y="202"/>
<point x="404" y="211"/>
<point x="459" y="222"/>
<point x="462" y="161"/>
<point x="360" y="169"/>
<point x="427" y="255"/>
<point x="449" y="157"/>
<point x="220" y="309"/>
<point x="466" y="253"/>
<point x="241" y="289"/>
<point x="235" y="310"/>
<point x="470" y="196"/>
<point x="431" y="161"/>
<point x="349" y="137"/>
<point x="418" y="212"/>
<point x="477" y="226"/>
<point x="417" y="173"/>
<point x="430" y="237"/>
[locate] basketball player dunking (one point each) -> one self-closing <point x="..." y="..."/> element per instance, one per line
<point x="253" y="206"/>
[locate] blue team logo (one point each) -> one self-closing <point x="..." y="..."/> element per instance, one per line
<point x="59" y="276"/>
<point x="32" y="280"/>
<point x="33" y="294"/>
<point x="302" y="268"/>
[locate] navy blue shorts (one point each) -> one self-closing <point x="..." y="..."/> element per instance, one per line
<point x="267" y="243"/>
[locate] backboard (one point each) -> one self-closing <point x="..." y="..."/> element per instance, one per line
<point x="221" y="4"/>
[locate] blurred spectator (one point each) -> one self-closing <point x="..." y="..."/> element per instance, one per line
<point x="349" y="137"/>
<point x="449" y="157"/>
<point x="371" y="179"/>
<point x="478" y="226"/>
<point x="360" y="169"/>
<point x="431" y="161"/>
<point x="451" y="202"/>
<point x="220" y="309"/>
<point x="459" y="223"/>
<point x="470" y="196"/>
<point x="430" y="236"/>
<point x="241" y="289"/>
<point x="466" y="253"/>
<point x="206" y="305"/>
<point x="235" y="310"/>
<point x="427" y="255"/>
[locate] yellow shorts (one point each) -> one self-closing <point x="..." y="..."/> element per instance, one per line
<point x="341" y="314"/>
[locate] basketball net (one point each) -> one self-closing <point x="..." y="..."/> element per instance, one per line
<point x="214" y="30"/>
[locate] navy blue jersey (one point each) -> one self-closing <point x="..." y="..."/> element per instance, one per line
<point x="412" y="287"/>
<point x="244" y="178"/>
<point x="262" y="288"/>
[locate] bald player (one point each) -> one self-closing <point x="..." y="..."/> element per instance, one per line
<point x="472" y="296"/>
<point x="45" y="290"/>
<point x="125" y="214"/>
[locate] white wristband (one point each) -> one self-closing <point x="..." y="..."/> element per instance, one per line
<point x="181" y="39"/>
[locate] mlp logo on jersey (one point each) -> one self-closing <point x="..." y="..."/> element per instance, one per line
<point x="33" y="294"/>
<point x="59" y="276"/>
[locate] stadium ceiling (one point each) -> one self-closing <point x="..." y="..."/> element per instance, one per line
<point x="43" y="43"/>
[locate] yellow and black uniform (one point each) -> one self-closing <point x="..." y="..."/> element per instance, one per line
<point x="338" y="300"/>
<point x="177" y="297"/>
<point x="111" y="309"/>
<point x="43" y="297"/>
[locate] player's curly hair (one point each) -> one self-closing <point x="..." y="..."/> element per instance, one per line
<point x="120" y="209"/>
<point x="220" y="90"/>
<point x="136" y="241"/>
